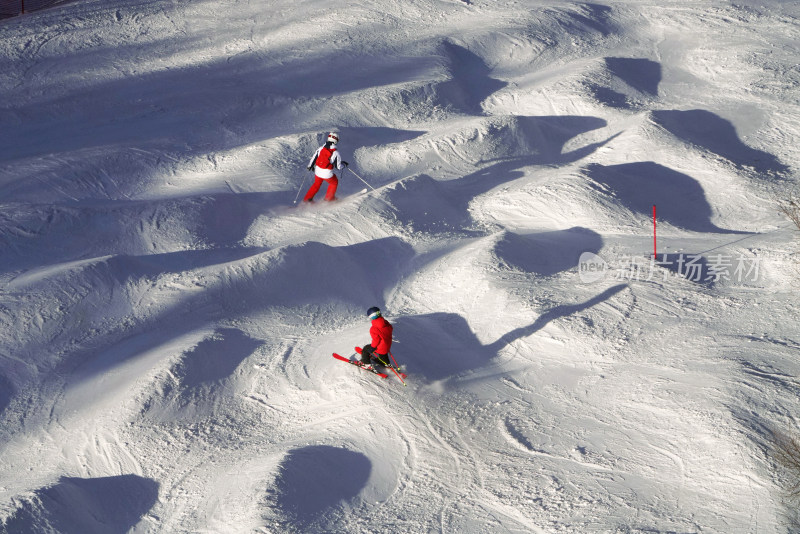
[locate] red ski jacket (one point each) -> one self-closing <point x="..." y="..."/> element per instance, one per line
<point x="381" y="332"/>
<point x="325" y="159"/>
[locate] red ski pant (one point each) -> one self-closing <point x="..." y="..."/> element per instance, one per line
<point x="330" y="193"/>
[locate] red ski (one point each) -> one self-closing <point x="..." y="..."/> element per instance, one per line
<point x="360" y="365"/>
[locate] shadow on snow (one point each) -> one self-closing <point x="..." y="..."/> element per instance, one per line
<point x="316" y="479"/>
<point x="470" y="84"/>
<point x="641" y="74"/>
<point x="195" y="379"/>
<point x="680" y="199"/>
<point x="547" y="253"/>
<point x="443" y="345"/>
<point x="715" y="134"/>
<point x="266" y="279"/>
<point x="6" y="392"/>
<point x="632" y="82"/>
<point x="106" y="505"/>
<point x="546" y="137"/>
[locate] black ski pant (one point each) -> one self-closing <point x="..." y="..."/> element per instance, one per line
<point x="368" y="353"/>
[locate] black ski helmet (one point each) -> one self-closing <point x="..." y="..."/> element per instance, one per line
<point x="374" y="312"/>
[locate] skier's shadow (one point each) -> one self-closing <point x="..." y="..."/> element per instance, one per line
<point x="442" y="345"/>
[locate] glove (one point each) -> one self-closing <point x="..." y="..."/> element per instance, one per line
<point x="345" y="163"/>
<point x="310" y="167"/>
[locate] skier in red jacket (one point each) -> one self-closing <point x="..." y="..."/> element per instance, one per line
<point x="381" y="333"/>
<point x="323" y="162"/>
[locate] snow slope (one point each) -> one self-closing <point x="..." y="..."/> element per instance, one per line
<point x="168" y="316"/>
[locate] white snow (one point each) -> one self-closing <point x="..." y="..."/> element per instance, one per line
<point x="168" y="315"/>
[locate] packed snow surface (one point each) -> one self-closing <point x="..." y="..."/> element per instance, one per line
<point x="168" y="310"/>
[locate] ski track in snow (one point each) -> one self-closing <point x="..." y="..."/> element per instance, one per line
<point x="168" y="312"/>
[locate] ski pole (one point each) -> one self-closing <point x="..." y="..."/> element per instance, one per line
<point x="395" y="361"/>
<point x="400" y="378"/>
<point x="299" y="190"/>
<point x="396" y="368"/>
<point x="360" y="178"/>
